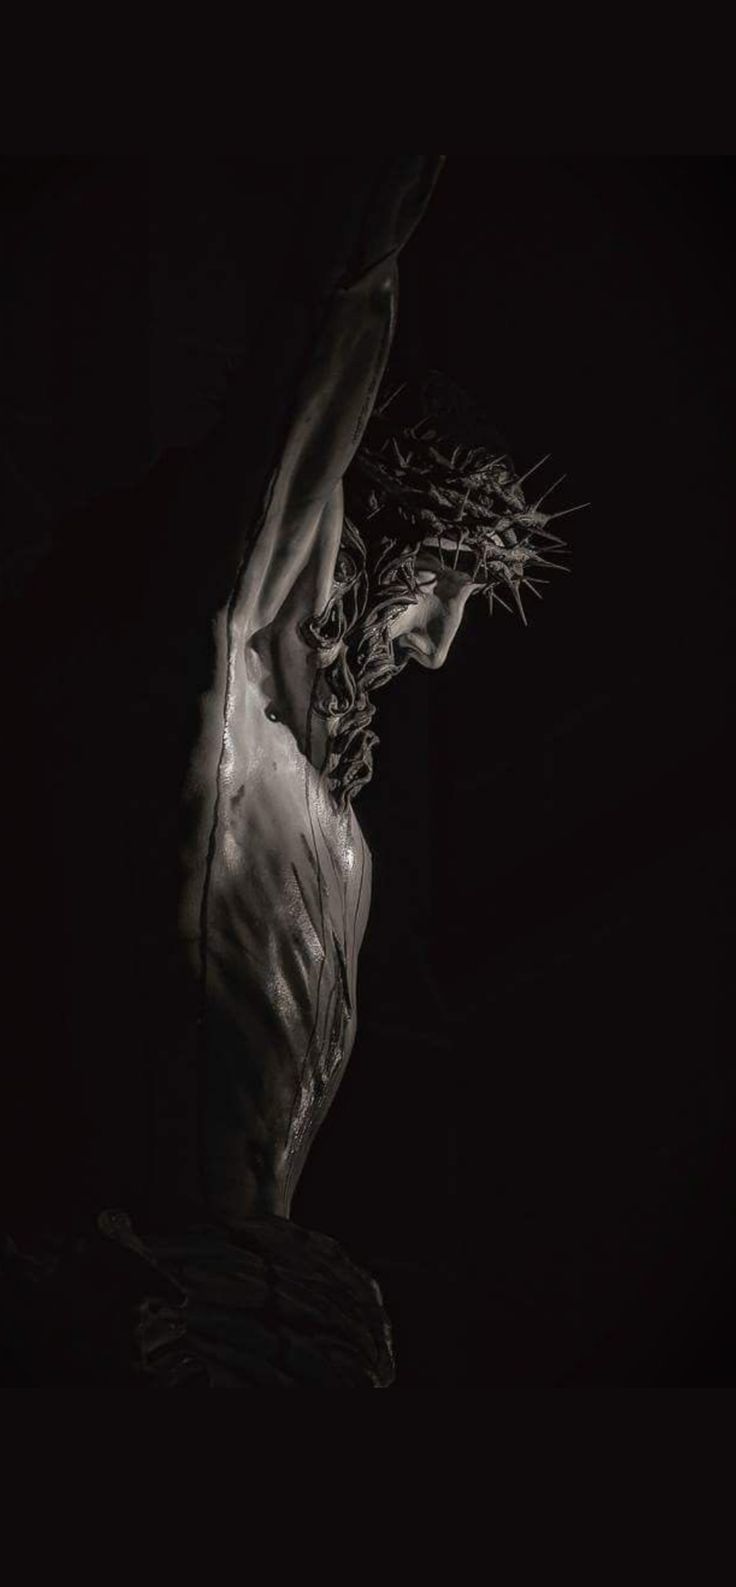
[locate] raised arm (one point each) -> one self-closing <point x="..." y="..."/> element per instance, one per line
<point x="302" y="518"/>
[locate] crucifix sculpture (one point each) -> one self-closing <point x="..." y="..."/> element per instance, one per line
<point x="382" y="512"/>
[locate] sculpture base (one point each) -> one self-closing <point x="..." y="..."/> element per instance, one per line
<point x="272" y="1306"/>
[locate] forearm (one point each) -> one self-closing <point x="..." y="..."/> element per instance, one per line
<point x="351" y="348"/>
<point x="337" y="384"/>
<point x="300" y="536"/>
<point x="338" y="393"/>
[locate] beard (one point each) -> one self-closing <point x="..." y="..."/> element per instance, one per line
<point x="370" y="663"/>
<point x="371" y="589"/>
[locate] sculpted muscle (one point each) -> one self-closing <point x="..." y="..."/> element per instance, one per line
<point x="277" y="893"/>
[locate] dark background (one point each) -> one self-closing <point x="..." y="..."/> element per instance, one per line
<point x="533" y="1147"/>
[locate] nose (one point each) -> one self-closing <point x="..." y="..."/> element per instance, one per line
<point x="430" y="641"/>
<point x="441" y="636"/>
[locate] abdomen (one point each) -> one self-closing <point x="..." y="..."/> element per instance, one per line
<point x="287" y="898"/>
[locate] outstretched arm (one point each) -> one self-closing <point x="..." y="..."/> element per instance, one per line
<point x="302" y="522"/>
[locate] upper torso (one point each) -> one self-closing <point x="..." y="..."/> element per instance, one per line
<point x="288" y="894"/>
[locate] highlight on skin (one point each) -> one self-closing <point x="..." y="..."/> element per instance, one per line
<point x="443" y="515"/>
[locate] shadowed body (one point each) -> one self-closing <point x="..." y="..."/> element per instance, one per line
<point x="289" y="897"/>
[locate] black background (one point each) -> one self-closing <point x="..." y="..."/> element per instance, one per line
<point x="533" y="1145"/>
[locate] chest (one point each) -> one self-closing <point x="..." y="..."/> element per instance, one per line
<point x="295" y="870"/>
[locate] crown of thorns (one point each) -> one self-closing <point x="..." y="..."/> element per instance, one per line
<point x="466" y="500"/>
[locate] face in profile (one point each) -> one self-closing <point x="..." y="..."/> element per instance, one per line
<point x="424" y="632"/>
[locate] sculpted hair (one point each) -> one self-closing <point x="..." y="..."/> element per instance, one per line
<point x="430" y="472"/>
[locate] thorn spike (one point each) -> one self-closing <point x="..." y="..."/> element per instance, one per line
<point x="548" y="491"/>
<point x="567" y="510"/>
<point x="533" y="468"/>
<point x="515" y="591"/>
<point x="464" y="505"/>
<point x="390" y="398"/>
<point x="543" y="562"/>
